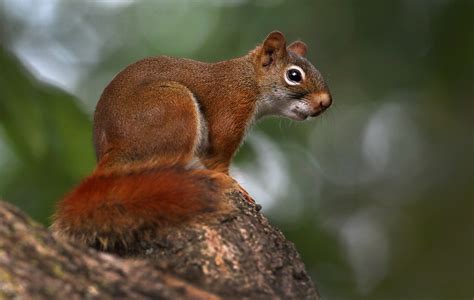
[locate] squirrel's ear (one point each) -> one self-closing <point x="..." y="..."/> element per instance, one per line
<point x="298" y="47"/>
<point x="273" y="47"/>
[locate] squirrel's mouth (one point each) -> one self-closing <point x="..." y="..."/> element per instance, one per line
<point x="298" y="115"/>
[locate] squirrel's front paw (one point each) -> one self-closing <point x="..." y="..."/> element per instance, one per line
<point x="245" y="194"/>
<point x="234" y="185"/>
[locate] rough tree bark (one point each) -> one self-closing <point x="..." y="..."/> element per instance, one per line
<point x="239" y="256"/>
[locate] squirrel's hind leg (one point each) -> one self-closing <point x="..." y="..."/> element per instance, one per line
<point x="165" y="124"/>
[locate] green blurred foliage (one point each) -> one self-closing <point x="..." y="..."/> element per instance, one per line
<point x="377" y="194"/>
<point x="45" y="131"/>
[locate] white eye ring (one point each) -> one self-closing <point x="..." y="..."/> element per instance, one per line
<point x="291" y="82"/>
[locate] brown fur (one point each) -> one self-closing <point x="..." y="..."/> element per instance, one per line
<point x="127" y="128"/>
<point x="152" y="172"/>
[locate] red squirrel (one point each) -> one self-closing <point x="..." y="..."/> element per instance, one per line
<point x="166" y="130"/>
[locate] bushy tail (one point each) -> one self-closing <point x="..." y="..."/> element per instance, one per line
<point x="110" y="210"/>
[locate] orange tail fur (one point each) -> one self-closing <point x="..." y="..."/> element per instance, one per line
<point x="113" y="209"/>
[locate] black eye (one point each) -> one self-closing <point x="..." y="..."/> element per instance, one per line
<point x="294" y="75"/>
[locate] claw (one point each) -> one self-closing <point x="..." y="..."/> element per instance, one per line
<point x="239" y="188"/>
<point x="245" y="194"/>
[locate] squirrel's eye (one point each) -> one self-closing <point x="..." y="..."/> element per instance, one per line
<point x="294" y="75"/>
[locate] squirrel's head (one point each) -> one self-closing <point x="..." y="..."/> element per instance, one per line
<point x="289" y="84"/>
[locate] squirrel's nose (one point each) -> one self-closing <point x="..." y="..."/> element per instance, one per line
<point x="319" y="102"/>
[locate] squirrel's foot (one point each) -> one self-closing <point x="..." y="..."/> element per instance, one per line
<point x="236" y="186"/>
<point x="245" y="194"/>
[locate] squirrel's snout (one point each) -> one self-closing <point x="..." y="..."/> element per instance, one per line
<point x="319" y="102"/>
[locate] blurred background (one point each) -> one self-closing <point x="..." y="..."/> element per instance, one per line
<point x="377" y="193"/>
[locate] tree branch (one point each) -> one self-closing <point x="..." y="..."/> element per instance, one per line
<point x="236" y="256"/>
